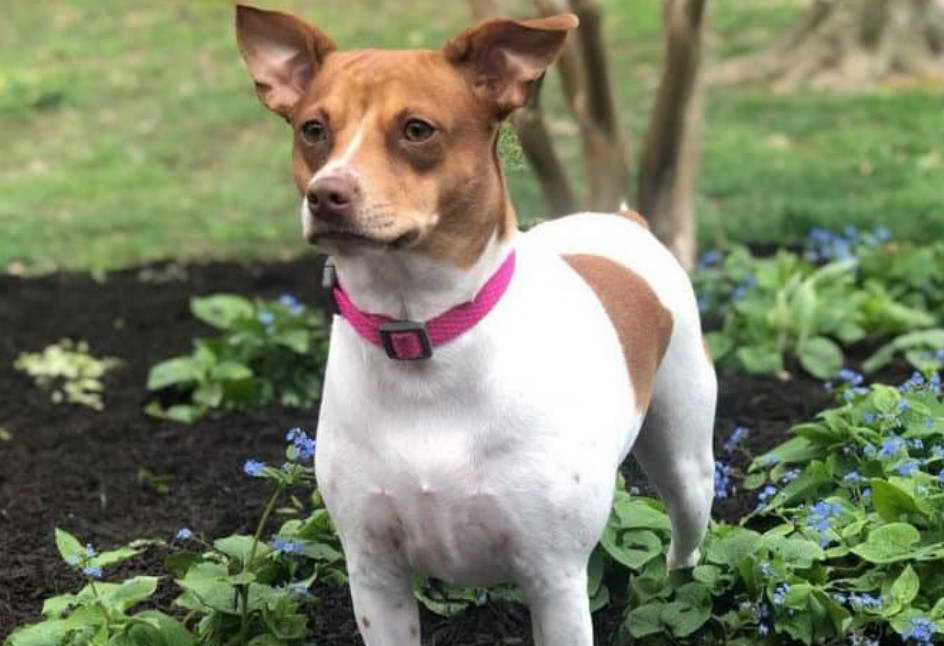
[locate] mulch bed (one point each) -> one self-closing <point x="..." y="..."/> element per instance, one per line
<point x="78" y="469"/>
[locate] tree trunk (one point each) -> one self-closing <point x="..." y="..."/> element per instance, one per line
<point x="670" y="163"/>
<point x="850" y="44"/>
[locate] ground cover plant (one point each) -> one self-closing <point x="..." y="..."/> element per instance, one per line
<point x="803" y="308"/>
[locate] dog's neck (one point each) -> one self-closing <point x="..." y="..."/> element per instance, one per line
<point x="407" y="286"/>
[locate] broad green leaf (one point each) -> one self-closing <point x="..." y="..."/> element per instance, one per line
<point x="905" y="588"/>
<point x="239" y="547"/>
<point x="230" y="371"/>
<point x="710" y="575"/>
<point x="796" y="450"/>
<point x="633" y="513"/>
<point x="633" y="548"/>
<point x="889" y="543"/>
<point x="69" y="546"/>
<point x="689" y="612"/>
<point x="179" y="370"/>
<point x="113" y="557"/>
<point x="645" y="620"/>
<point x="47" y="633"/>
<point x="922" y="339"/>
<point x="798" y="552"/>
<point x="160" y="630"/>
<point x="738" y="544"/>
<point x="131" y="592"/>
<point x="298" y="340"/>
<point x="821" y="357"/>
<point x="764" y="360"/>
<point x="892" y="503"/>
<point x="222" y="310"/>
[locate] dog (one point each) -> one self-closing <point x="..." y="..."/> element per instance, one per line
<point x="483" y="385"/>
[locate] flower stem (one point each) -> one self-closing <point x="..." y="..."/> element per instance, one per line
<point x="247" y="565"/>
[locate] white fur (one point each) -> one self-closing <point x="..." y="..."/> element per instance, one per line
<point x="496" y="460"/>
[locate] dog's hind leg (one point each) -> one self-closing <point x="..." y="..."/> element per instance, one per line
<point x="675" y="444"/>
<point x="560" y="609"/>
<point x="387" y="613"/>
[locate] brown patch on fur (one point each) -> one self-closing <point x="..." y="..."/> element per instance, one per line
<point x="365" y="621"/>
<point x="414" y="631"/>
<point x="643" y="325"/>
<point x="629" y="214"/>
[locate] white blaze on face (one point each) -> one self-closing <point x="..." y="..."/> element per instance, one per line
<point x="342" y="163"/>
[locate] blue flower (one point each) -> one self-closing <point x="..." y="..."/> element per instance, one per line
<point x="866" y="494"/>
<point x="852" y="477"/>
<point x="866" y="601"/>
<point x="737" y="436"/>
<point x="287" y="547"/>
<point x="916" y="444"/>
<point x="722" y="480"/>
<point x="764" y="496"/>
<point x="821" y="513"/>
<point x="291" y="303"/>
<point x="906" y="469"/>
<point x="298" y="591"/>
<point x="890" y="447"/>
<point x="790" y="475"/>
<point x="89" y="550"/>
<point x="266" y="317"/>
<point x="851" y="377"/>
<point x="869" y="418"/>
<point x="184" y="534"/>
<point x="92" y="571"/>
<point x="938" y="451"/>
<point x="767" y="569"/>
<point x="254" y="468"/>
<point x="920" y="629"/>
<point x="710" y="258"/>
<point x="780" y="594"/>
<point x="869" y="451"/>
<point x="904" y="405"/>
<point x="304" y="445"/>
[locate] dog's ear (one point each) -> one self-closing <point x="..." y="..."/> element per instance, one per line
<point x="283" y="54"/>
<point x="503" y="58"/>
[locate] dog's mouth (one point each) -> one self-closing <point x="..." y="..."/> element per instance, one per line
<point x="346" y="239"/>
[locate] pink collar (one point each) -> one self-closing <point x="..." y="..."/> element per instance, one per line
<point x="414" y="340"/>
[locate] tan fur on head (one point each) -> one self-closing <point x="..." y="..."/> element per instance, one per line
<point x="444" y="196"/>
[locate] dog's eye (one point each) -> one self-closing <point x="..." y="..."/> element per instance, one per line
<point x="314" y="132"/>
<point x="417" y="130"/>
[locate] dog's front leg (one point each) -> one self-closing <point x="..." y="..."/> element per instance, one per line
<point x="560" y="610"/>
<point x="386" y="609"/>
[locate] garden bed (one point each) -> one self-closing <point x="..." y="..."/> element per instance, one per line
<point x="87" y="471"/>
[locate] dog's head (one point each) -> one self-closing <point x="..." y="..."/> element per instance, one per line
<point x="397" y="149"/>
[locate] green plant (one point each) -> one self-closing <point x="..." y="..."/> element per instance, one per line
<point x="236" y="590"/>
<point x="266" y="352"/>
<point x="68" y="369"/>
<point x="787" y="306"/>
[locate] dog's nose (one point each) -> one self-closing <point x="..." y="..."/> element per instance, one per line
<point x="332" y="199"/>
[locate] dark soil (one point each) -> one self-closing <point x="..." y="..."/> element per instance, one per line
<point x="72" y="467"/>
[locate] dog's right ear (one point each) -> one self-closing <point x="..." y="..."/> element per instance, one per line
<point x="283" y="54"/>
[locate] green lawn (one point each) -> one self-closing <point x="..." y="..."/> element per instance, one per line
<point x="131" y="132"/>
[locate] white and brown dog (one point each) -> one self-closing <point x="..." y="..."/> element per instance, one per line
<point x="483" y="385"/>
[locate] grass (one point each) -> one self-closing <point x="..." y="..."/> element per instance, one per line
<point x="131" y="132"/>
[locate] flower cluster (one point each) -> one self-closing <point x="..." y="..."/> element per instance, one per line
<point x="82" y="562"/>
<point x="764" y="497"/>
<point x="921" y="630"/>
<point x="303" y="446"/>
<point x="820" y="518"/>
<point x="291" y="303"/>
<point x="737" y="436"/>
<point x="722" y="480"/>
<point x="826" y="246"/>
<point x="287" y="547"/>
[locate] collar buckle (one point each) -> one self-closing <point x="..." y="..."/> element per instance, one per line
<point x="406" y="340"/>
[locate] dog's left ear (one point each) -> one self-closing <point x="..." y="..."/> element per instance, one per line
<point x="503" y="58"/>
<point x="283" y="54"/>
